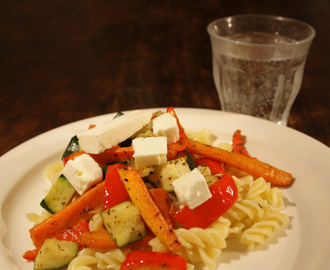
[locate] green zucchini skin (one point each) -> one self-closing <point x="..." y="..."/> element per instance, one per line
<point x="72" y="147"/>
<point x="124" y="223"/>
<point x="55" y="254"/>
<point x="58" y="196"/>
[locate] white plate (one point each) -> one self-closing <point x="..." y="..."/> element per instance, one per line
<point x="304" y="244"/>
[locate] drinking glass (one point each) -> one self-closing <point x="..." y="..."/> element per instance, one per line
<point x="258" y="63"/>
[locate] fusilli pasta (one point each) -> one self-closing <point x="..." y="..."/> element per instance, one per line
<point x="90" y="259"/>
<point x="257" y="212"/>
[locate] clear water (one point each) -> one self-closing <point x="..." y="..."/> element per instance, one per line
<point x="264" y="88"/>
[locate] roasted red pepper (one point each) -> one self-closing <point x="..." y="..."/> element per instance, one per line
<point x="114" y="190"/>
<point x="238" y="144"/>
<point x="215" y="167"/>
<point x="72" y="156"/>
<point x="30" y="255"/>
<point x="162" y="260"/>
<point x="73" y="234"/>
<point x="183" y="137"/>
<point x="224" y="194"/>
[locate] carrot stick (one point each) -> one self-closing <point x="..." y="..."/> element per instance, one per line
<point x="163" y="201"/>
<point x="176" y="150"/>
<point x="150" y="212"/>
<point x="250" y="165"/>
<point x="102" y="239"/>
<point x="112" y="155"/>
<point x="97" y="239"/>
<point x="70" y="215"/>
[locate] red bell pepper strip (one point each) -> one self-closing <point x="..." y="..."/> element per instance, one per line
<point x="72" y="156"/>
<point x="224" y="194"/>
<point x="183" y="137"/>
<point x="30" y="255"/>
<point x="215" y="167"/>
<point x="238" y="144"/>
<point x="114" y="189"/>
<point x="163" y="260"/>
<point x="73" y="234"/>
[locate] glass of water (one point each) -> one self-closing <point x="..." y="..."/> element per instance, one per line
<point x="258" y="63"/>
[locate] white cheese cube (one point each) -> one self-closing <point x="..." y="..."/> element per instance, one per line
<point x="166" y="125"/>
<point x="191" y="189"/>
<point x="106" y="135"/>
<point x="82" y="173"/>
<point x="149" y="151"/>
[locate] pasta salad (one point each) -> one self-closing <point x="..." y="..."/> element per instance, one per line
<point x="141" y="192"/>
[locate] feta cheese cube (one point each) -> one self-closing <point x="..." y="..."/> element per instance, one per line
<point x="149" y="151"/>
<point x="166" y="125"/>
<point x="82" y="173"/>
<point x="191" y="189"/>
<point x="106" y="135"/>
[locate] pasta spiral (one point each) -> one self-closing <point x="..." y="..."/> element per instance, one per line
<point x="96" y="223"/>
<point x="90" y="259"/>
<point x="200" y="246"/>
<point x="257" y="212"/>
<point x="263" y="229"/>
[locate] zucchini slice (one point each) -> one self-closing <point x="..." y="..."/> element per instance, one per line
<point x="165" y="174"/>
<point x="72" y="147"/>
<point x="124" y="223"/>
<point x="55" y="254"/>
<point x="58" y="196"/>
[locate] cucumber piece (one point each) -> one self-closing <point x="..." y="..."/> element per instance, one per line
<point x="55" y="254"/>
<point x="58" y="196"/>
<point x="165" y="174"/>
<point x="72" y="147"/>
<point x="124" y="224"/>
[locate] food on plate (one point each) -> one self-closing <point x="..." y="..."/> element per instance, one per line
<point x="140" y="191"/>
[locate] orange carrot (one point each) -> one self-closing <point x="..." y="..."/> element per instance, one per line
<point x="250" y="165"/>
<point x="114" y="154"/>
<point x="163" y="201"/>
<point x="176" y="150"/>
<point x="97" y="239"/>
<point x="150" y="212"/>
<point x="70" y="215"/>
<point x="102" y="239"/>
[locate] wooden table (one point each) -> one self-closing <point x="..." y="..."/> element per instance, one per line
<point x="62" y="61"/>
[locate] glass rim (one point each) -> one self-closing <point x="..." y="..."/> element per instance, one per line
<point x="309" y="38"/>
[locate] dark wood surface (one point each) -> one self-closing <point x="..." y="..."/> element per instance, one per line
<point x="62" y="61"/>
